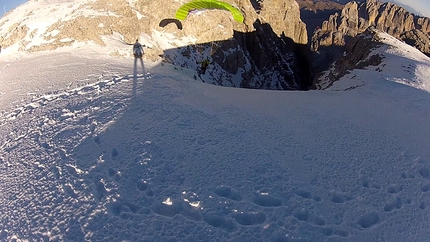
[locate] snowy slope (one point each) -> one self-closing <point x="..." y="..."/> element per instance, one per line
<point x="92" y="150"/>
<point x="401" y="63"/>
<point x="32" y="26"/>
<point x="51" y="10"/>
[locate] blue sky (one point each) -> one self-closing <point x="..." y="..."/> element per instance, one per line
<point x="7" y="5"/>
<point x="421" y="7"/>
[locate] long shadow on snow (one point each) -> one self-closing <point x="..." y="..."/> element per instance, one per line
<point x="155" y="160"/>
<point x="162" y="155"/>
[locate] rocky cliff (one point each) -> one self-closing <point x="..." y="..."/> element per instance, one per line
<point x="357" y="55"/>
<point x="313" y="13"/>
<point x="266" y="51"/>
<point x="373" y="56"/>
<point x="355" y="18"/>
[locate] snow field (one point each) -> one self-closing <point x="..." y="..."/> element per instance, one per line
<point x="95" y="149"/>
<point x="122" y="157"/>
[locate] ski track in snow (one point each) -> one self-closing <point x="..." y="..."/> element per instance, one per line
<point x="135" y="158"/>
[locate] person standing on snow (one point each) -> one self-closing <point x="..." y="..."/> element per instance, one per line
<point x="138" y="49"/>
<point x="204" y="65"/>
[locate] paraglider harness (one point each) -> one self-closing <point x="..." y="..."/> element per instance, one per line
<point x="137" y="50"/>
<point x="203" y="66"/>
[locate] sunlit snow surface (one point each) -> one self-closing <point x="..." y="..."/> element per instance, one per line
<point x="92" y="149"/>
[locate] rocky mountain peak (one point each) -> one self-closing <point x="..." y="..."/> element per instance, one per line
<point x="283" y="16"/>
<point x="373" y="55"/>
<point x="355" y="18"/>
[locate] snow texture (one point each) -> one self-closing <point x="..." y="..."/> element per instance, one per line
<point x="94" y="148"/>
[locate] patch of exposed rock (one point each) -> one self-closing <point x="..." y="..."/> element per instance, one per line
<point x="16" y="33"/>
<point x="284" y="18"/>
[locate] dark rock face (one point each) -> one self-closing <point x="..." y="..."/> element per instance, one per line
<point x="277" y="62"/>
<point x="268" y="51"/>
<point x="274" y="55"/>
<point x="268" y="61"/>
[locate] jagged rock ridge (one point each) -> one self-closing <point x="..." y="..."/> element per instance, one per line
<point x="375" y="55"/>
<point x="357" y="55"/>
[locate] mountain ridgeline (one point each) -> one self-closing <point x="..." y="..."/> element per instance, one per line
<point x="330" y="39"/>
<point x="269" y="50"/>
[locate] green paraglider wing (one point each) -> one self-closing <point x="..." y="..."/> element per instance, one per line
<point x="185" y="9"/>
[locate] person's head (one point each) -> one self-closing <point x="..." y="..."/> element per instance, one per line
<point x="137" y="40"/>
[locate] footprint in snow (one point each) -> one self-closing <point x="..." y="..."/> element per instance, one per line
<point x="72" y="170"/>
<point x="394" y="189"/>
<point x="220" y="222"/>
<point x="68" y="189"/>
<point x="170" y="208"/>
<point x="93" y="127"/>
<point x="424" y="200"/>
<point x="249" y="218"/>
<point x="122" y="210"/>
<point x="228" y="192"/>
<point x="396" y="204"/>
<point x="142" y="185"/>
<point x="114" y="175"/>
<point x="338" y="197"/>
<point x="424" y="172"/>
<point x="328" y="231"/>
<point x="265" y="200"/>
<point x="56" y="171"/>
<point x="114" y="153"/>
<point x="425" y="187"/>
<point x="367" y="183"/>
<point x="307" y="195"/>
<point x="369" y="220"/>
<point x="99" y="189"/>
<point x="97" y="140"/>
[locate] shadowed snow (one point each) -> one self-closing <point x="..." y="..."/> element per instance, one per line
<point x="92" y="149"/>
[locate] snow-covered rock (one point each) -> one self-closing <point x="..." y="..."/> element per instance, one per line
<point x="378" y="53"/>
